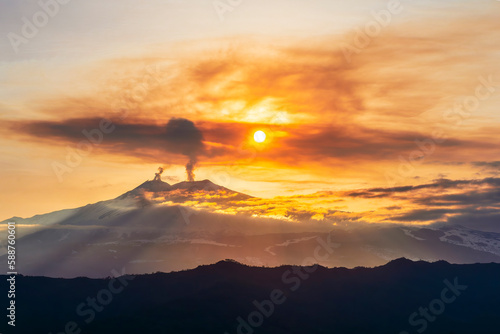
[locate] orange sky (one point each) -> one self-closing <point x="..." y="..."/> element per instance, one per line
<point x="416" y="106"/>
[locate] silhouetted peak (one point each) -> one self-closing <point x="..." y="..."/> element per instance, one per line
<point x="399" y="263"/>
<point x="228" y="263"/>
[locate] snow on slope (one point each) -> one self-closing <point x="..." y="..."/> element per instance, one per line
<point x="478" y="240"/>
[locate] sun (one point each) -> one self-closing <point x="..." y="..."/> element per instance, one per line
<point x="259" y="136"/>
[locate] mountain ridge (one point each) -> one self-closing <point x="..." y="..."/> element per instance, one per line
<point x="211" y="299"/>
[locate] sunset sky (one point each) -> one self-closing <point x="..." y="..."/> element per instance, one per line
<point x="369" y="115"/>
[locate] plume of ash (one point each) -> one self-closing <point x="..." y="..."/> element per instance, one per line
<point x="190" y="169"/>
<point x="184" y="137"/>
<point x="158" y="175"/>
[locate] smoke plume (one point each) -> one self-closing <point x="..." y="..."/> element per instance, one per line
<point x="190" y="169"/>
<point x="158" y="175"/>
<point x="185" y="138"/>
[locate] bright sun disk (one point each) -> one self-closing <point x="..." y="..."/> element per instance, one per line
<point x="259" y="136"/>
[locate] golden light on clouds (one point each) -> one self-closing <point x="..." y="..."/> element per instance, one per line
<point x="266" y="106"/>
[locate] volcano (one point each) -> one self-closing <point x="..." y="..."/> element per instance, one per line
<point x="161" y="227"/>
<point x="156" y="191"/>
